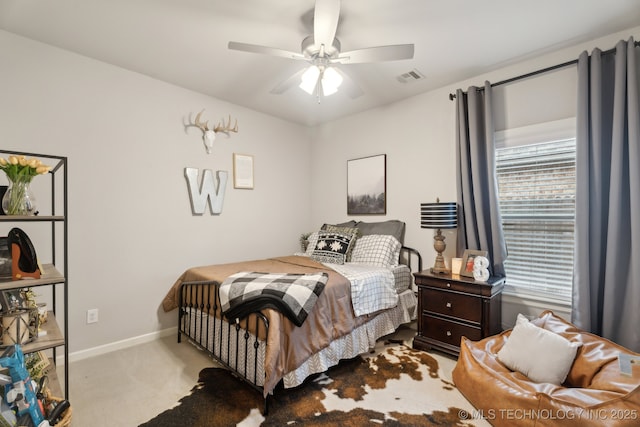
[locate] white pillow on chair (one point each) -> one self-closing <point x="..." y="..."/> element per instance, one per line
<point x="541" y="355"/>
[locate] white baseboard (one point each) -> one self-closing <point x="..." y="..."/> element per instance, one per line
<point x="117" y="345"/>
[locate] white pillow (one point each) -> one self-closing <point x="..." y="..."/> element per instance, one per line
<point x="541" y="355"/>
<point x="380" y="250"/>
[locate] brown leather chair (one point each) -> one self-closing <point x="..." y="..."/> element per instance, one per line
<point x="595" y="393"/>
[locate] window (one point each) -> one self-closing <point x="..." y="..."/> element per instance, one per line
<point x="536" y="172"/>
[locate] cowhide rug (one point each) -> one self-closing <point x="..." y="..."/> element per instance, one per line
<point x="395" y="385"/>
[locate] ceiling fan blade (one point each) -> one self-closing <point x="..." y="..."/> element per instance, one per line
<point x="254" y="48"/>
<point x="349" y="85"/>
<point x="377" y="54"/>
<point x="325" y="22"/>
<point x="292" y="81"/>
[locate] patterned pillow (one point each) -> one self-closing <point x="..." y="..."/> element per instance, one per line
<point x="351" y="223"/>
<point x="333" y="247"/>
<point x="376" y="249"/>
<point x="311" y="243"/>
<point x="341" y="229"/>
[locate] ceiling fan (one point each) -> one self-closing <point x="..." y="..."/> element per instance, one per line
<point x="322" y="51"/>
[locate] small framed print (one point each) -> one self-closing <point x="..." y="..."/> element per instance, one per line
<point x="12" y="300"/>
<point x="242" y="171"/>
<point x="5" y="259"/>
<point x="467" y="261"/>
<point x="37" y="362"/>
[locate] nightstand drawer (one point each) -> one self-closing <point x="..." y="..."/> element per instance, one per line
<point x="447" y="331"/>
<point x="452" y="304"/>
<point x="447" y="284"/>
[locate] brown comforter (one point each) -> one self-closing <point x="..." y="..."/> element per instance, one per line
<point x="288" y="346"/>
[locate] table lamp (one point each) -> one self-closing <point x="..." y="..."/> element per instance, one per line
<point x="439" y="216"/>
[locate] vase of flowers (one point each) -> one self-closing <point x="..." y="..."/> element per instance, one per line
<point x="19" y="199"/>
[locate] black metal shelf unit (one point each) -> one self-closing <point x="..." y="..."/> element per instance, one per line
<point x="57" y="272"/>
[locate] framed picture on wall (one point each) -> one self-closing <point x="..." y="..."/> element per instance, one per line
<point x="367" y="185"/>
<point x="242" y="171"/>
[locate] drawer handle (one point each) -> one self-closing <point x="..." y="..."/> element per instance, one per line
<point x="448" y="333"/>
<point x="448" y="305"/>
<point x="448" y="285"/>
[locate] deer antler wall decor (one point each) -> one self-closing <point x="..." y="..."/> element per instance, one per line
<point x="209" y="134"/>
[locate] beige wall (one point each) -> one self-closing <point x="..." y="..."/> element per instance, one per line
<point x="131" y="231"/>
<point x="131" y="228"/>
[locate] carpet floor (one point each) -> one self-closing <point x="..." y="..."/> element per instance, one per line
<point x="394" y="385"/>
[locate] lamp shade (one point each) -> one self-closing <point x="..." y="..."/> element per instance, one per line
<point x="439" y="215"/>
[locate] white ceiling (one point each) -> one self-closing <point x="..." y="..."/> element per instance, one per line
<point x="184" y="42"/>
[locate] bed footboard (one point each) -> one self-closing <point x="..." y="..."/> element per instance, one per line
<point x="237" y="345"/>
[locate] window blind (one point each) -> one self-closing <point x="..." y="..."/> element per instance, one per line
<point x="537" y="186"/>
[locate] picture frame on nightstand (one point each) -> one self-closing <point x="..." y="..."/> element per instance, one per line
<point x="467" y="261"/>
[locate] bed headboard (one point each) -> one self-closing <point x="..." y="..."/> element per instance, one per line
<point x="410" y="257"/>
<point x="392" y="227"/>
<point x="396" y="228"/>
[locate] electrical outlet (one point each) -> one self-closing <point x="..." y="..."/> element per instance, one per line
<point x="92" y="315"/>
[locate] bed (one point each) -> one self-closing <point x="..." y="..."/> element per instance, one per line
<point x="368" y="293"/>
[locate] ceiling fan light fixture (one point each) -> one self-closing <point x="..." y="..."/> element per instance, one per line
<point x="322" y="50"/>
<point x="309" y="79"/>
<point x="331" y="81"/>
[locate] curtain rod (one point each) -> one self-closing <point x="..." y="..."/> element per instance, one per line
<point x="452" y="96"/>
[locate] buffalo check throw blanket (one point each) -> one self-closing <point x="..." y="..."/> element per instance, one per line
<point x="294" y="295"/>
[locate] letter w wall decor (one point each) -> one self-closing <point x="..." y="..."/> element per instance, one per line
<point x="206" y="191"/>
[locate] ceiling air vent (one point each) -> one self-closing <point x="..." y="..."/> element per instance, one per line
<point x="410" y="76"/>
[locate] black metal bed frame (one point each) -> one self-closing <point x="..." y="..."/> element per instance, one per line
<point x="200" y="314"/>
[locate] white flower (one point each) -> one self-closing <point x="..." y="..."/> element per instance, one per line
<point x="336" y="246"/>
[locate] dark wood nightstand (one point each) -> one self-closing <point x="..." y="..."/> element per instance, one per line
<point x="450" y="307"/>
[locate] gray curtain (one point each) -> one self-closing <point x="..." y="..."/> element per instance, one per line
<point x="479" y="221"/>
<point x="606" y="282"/>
